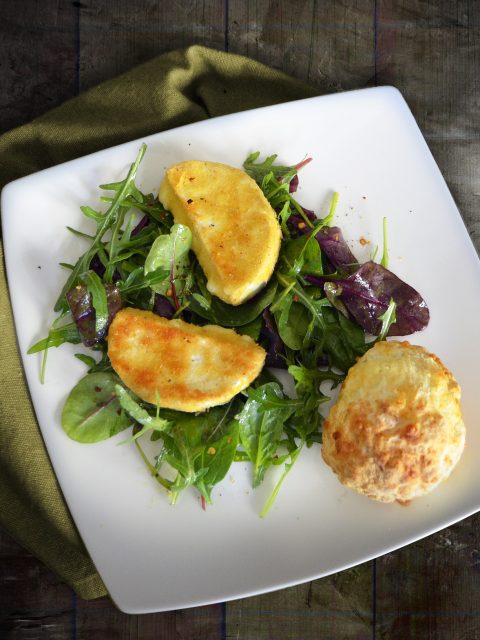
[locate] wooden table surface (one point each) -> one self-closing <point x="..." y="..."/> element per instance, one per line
<point x="51" y="50"/>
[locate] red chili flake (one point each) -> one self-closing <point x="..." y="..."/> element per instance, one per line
<point x="295" y="298"/>
<point x="364" y="241"/>
<point x="189" y="201"/>
<point x="98" y="389"/>
<point x="192" y="178"/>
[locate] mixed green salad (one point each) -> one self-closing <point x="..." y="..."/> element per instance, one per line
<point x="319" y="312"/>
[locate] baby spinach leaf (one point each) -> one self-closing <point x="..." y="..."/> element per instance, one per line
<point x="92" y="411"/>
<point x="251" y="329"/>
<point x="228" y="316"/>
<point x="261" y="426"/>
<point x="170" y="249"/>
<point x="216" y="458"/>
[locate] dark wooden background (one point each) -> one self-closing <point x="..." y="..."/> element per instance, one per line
<point x="50" y="50"/>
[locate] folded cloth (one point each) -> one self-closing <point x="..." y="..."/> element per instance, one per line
<point x="171" y="90"/>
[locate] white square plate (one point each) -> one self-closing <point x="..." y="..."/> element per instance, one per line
<point x="153" y="556"/>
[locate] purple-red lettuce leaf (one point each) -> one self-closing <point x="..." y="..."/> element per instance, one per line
<point x="293" y="186"/>
<point x="140" y="226"/>
<point x="367" y="292"/>
<point x="274" y="344"/>
<point x="297" y="225"/>
<point x="97" y="265"/>
<point x="83" y="312"/>
<point x="163" y="307"/>
<point x="336" y="250"/>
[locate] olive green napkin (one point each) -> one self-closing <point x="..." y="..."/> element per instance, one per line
<point x="171" y="90"/>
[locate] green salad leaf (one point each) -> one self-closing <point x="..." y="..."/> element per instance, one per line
<point x="170" y="253"/>
<point x="92" y="411"/>
<point x="261" y="426"/>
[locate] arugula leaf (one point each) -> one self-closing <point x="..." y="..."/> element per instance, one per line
<point x="384" y="261"/>
<point x="88" y="360"/>
<point x="140" y="415"/>
<point x="388" y="318"/>
<point x="278" y="182"/>
<point x="288" y="467"/>
<point x="107" y="220"/>
<point x="259" y="170"/>
<point x="56" y="337"/>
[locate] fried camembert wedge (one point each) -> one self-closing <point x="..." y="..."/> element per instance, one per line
<point x="182" y="366"/>
<point x="236" y="235"/>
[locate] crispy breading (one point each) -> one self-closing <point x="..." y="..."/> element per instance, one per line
<point x="396" y="430"/>
<point x="236" y="235"/>
<point x="187" y="367"/>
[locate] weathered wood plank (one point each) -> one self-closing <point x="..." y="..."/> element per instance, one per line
<point x="322" y="43"/>
<point x="116" y="36"/>
<point x="34" y="603"/>
<point x="100" y="619"/>
<point x="37" y="58"/>
<point x="339" y="606"/>
<point x="431" y="590"/>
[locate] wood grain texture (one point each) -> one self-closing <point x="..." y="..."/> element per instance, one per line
<point x="37" y="58"/>
<point x="116" y="36"/>
<point x="340" y="606"/>
<point x="430" y="50"/>
<point x="432" y="589"/>
<point x="314" y="41"/>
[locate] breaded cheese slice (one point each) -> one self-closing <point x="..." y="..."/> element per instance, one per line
<point x="187" y="367"/>
<point x="236" y="235"/>
<point x="396" y="430"/>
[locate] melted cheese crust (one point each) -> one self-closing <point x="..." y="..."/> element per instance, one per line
<point x="236" y="235"/>
<point x="187" y="367"/>
<point x="396" y="430"/>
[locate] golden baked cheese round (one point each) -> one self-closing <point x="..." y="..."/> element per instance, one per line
<point x="396" y="430"/>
